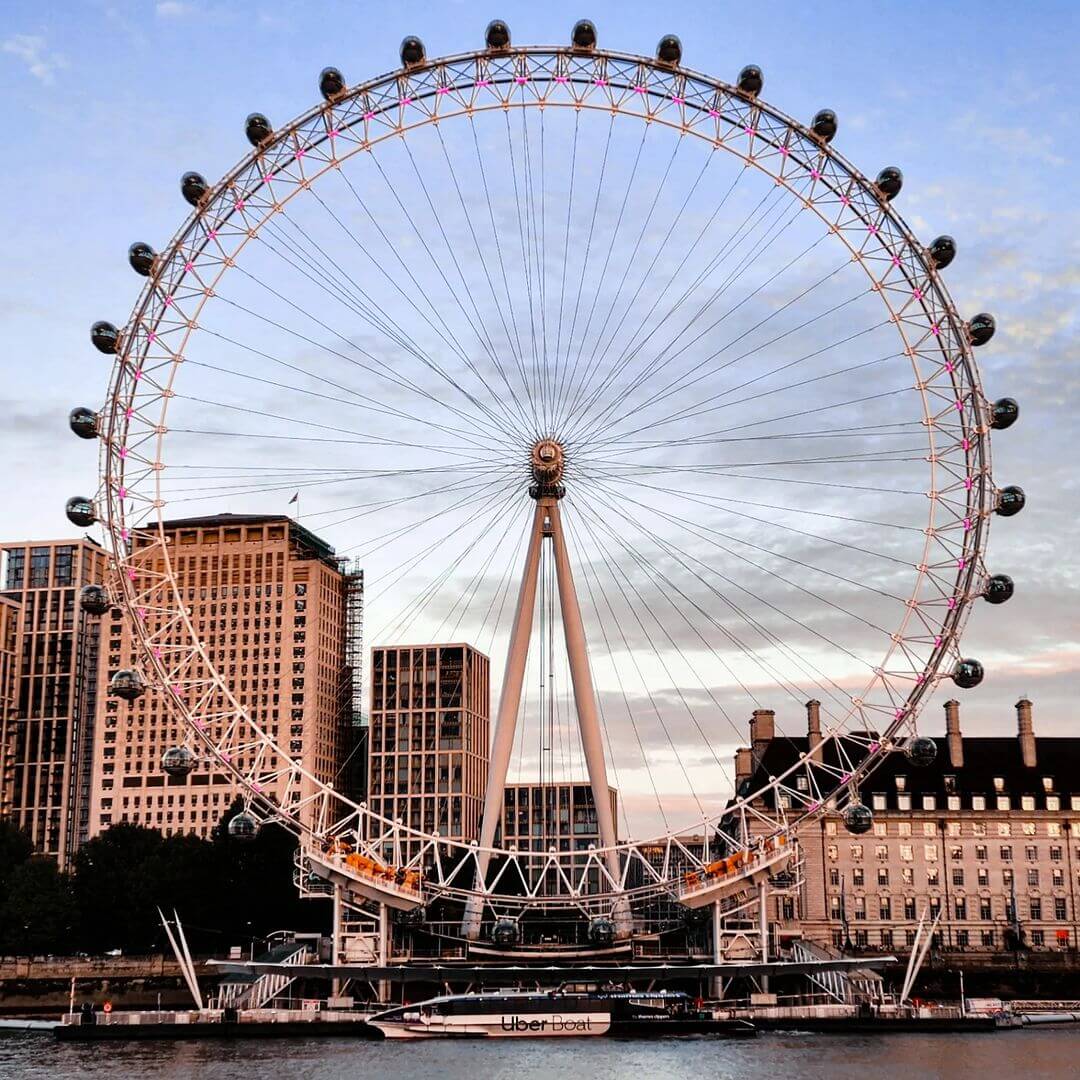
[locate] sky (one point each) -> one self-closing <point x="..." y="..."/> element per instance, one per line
<point x="109" y="103"/>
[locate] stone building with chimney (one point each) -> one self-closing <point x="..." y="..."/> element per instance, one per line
<point x="989" y="835"/>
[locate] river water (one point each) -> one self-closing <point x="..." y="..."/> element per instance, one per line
<point x="1028" y="1054"/>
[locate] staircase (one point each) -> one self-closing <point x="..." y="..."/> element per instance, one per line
<point x="251" y="991"/>
<point x="846" y="987"/>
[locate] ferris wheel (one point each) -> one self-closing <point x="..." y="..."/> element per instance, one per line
<point x="609" y="368"/>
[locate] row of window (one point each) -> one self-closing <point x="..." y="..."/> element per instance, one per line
<point x="882" y="852"/>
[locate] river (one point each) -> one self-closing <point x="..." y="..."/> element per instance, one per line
<point x="1031" y="1054"/>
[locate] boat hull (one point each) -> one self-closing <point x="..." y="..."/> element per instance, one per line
<point x="496" y="1026"/>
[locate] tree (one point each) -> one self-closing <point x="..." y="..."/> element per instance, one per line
<point x="38" y="914"/>
<point x="15" y="848"/>
<point x="114" y="891"/>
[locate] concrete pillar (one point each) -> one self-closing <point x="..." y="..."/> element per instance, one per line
<point x="813" y="728"/>
<point x="1026" y="732"/>
<point x="952" y="734"/>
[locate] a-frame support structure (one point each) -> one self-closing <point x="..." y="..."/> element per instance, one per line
<point x="547" y="490"/>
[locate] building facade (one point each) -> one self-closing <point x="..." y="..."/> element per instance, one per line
<point x="429" y="730"/>
<point x="50" y="728"/>
<point x="560" y="816"/>
<point x="269" y="600"/>
<point x="9" y="629"/>
<point x="988" y="835"/>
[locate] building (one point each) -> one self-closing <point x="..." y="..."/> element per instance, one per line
<point x="989" y="835"/>
<point x="428" y="752"/>
<point x="560" y="815"/>
<point x="50" y="728"/>
<point x="270" y="601"/>
<point x="9" y="629"/>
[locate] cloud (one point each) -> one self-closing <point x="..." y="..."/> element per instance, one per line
<point x="172" y="9"/>
<point x="32" y="51"/>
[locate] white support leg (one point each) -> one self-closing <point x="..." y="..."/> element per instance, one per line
<point x="717" y="949"/>
<point x="585" y="704"/>
<point x="506" y="719"/>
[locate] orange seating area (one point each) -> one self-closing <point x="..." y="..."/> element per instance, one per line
<point x="696" y="879"/>
<point x="372" y="868"/>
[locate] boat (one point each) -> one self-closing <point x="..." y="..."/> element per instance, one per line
<point x="564" y="1012"/>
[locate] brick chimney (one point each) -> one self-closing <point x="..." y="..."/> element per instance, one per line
<point x="744" y="764"/>
<point x="762" y="731"/>
<point x="813" y="727"/>
<point x="952" y="734"/>
<point x="1026" y="732"/>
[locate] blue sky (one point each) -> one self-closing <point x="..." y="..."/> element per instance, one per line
<point x="108" y="103"/>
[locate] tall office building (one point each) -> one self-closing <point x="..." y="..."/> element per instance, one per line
<point x="428" y="754"/>
<point x="9" y="628"/>
<point x="559" y="815"/>
<point x="50" y="727"/>
<point x="274" y="608"/>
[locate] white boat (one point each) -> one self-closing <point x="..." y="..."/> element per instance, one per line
<point x="521" y="1014"/>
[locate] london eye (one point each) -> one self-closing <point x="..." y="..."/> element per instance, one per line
<point x="609" y="368"/>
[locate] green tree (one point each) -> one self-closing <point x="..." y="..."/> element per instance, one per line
<point x="38" y="915"/>
<point x="15" y="848"/>
<point x="114" y="891"/>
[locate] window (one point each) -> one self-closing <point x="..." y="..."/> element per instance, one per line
<point x="1004" y="829"/>
<point x="929" y="802"/>
<point x="901" y="783"/>
<point x="932" y="876"/>
<point x="930" y="852"/>
<point x="1027" y="802"/>
<point x="1053" y="802"/>
<point x="858" y="877"/>
<point x="1035" y="905"/>
<point x="907" y="875"/>
<point x="856" y="851"/>
<point x="834" y="877"/>
<point x="988" y="939"/>
<point x="859" y="906"/>
<point x="1060" y="912"/>
<point x="882" y="852"/>
<point x="1031" y="853"/>
<point x="833" y="852"/>
<point x="999" y="783"/>
<point x="906" y="852"/>
<point x="1038" y="938"/>
<point x="986" y="911"/>
<point x="883" y="875"/>
<point x="962" y="938"/>
<point x="980" y="852"/>
<point x="909" y="907"/>
<point x="1033" y="878"/>
<point x="978" y="802"/>
<point x="903" y="802"/>
<point x="984" y="876"/>
<point x="1006" y="853"/>
<point x="1048" y="783"/>
<point x="929" y="829"/>
<point x="878" y="801"/>
<point x="953" y="802"/>
<point x="885" y="909"/>
<point x="958" y="875"/>
<point x="956" y="852"/>
<point x="1003" y="802"/>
